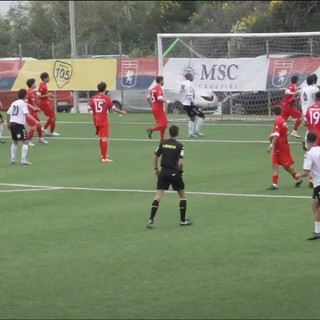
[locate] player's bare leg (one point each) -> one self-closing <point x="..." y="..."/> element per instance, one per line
<point x="293" y="173"/>
<point x="155" y="207"/>
<point x="316" y="212"/>
<point x="183" y="209"/>
<point x="275" y="178"/>
<point x="104" y="144"/>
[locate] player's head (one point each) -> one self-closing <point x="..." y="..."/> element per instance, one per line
<point x="315" y="78"/>
<point x="159" y="80"/>
<point x="311" y="138"/>
<point x="31" y="83"/>
<point x="174" y="131"/>
<point x="102" y="87"/>
<point x="22" y="93"/>
<point x="294" y="79"/>
<point x="276" y="110"/>
<point x="317" y="96"/>
<point x="310" y="80"/>
<point x="44" y="76"/>
<point x="189" y="76"/>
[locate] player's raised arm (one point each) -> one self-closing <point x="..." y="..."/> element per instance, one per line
<point x="115" y="109"/>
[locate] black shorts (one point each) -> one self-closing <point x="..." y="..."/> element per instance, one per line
<point x="18" y="132"/>
<point x="1" y="118"/>
<point x="170" y="177"/>
<point x="316" y="194"/>
<point x="193" y="111"/>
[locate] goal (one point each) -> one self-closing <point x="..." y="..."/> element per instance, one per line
<point x="245" y="73"/>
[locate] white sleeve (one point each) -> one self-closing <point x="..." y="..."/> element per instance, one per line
<point x="315" y="90"/>
<point x="25" y="109"/>
<point x="9" y="110"/>
<point x="190" y="92"/>
<point x="307" y="164"/>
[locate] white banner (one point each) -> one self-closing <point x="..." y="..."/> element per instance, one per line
<point x="243" y="74"/>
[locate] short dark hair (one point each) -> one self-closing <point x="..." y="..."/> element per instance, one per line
<point x="44" y="75"/>
<point x="174" y="131"/>
<point x="311" y="137"/>
<point x="294" y="79"/>
<point x="102" y="86"/>
<point x="30" y="82"/>
<point x="317" y="96"/>
<point x="310" y="80"/>
<point x="277" y="110"/>
<point x="315" y="78"/>
<point x="189" y="76"/>
<point x="159" y="79"/>
<point x="22" y="93"/>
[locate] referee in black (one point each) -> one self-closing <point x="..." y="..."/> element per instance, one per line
<point x="171" y="152"/>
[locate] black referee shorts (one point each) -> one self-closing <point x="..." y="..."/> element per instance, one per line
<point x="18" y="132"/>
<point x="170" y="177"/>
<point x="193" y="111"/>
<point x="316" y="194"/>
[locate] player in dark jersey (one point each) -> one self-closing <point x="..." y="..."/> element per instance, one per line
<point x="171" y="152"/>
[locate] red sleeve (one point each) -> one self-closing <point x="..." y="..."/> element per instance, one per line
<point x="159" y="92"/>
<point x="109" y="103"/>
<point x="43" y="89"/>
<point x="277" y="127"/>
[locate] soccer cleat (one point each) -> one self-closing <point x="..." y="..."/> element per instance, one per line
<point x="310" y="184"/>
<point x="149" y="132"/>
<point x="315" y="236"/>
<point x="41" y="140"/>
<point x="46" y="132"/>
<point x="191" y="136"/>
<point x="2" y="141"/>
<point x="25" y="163"/>
<point x="273" y="187"/>
<point x="304" y="147"/>
<point x="55" y="134"/>
<point x="31" y="144"/>
<point x="185" y="223"/>
<point x="13" y="162"/>
<point x="199" y="134"/>
<point x="298" y="183"/>
<point x="294" y="134"/>
<point x="150" y="224"/>
<point x="106" y="160"/>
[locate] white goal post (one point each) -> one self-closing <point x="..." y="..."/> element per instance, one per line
<point x="247" y="72"/>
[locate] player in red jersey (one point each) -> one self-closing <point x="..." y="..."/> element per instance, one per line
<point x="287" y="106"/>
<point x="34" y="112"/>
<point x="280" y="148"/>
<point x="157" y="101"/>
<point x="46" y="105"/>
<point x="100" y="105"/>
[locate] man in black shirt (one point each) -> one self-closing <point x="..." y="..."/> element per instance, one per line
<point x="171" y="152"/>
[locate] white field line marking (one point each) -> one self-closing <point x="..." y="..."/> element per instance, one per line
<point x="28" y="190"/>
<point x="196" y="140"/>
<point x="221" y="194"/>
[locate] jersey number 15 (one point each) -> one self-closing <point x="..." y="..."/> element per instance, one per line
<point x="98" y="106"/>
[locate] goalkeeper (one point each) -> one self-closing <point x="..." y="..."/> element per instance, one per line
<point x="195" y="114"/>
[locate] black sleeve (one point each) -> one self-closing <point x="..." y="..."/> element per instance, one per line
<point x="158" y="152"/>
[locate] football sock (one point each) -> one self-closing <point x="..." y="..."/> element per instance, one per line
<point x="30" y="134"/>
<point x="52" y="125"/>
<point x="305" y="137"/>
<point x="104" y="149"/>
<point x="317" y="226"/>
<point x="293" y="174"/>
<point x="24" y="152"/>
<point x="39" y="130"/>
<point x="13" y="151"/>
<point x="297" y="124"/>
<point x="183" y="209"/>
<point x="154" y="209"/>
<point x="199" y="124"/>
<point x="159" y="127"/>
<point x="275" y="179"/>
<point x="48" y="123"/>
<point x="1" y="130"/>
<point x="191" y="126"/>
<point x="162" y="134"/>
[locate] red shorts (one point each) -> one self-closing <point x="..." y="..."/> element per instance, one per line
<point x="47" y="108"/>
<point x="281" y="158"/>
<point x="30" y="122"/>
<point x="289" y="111"/>
<point x="103" y="131"/>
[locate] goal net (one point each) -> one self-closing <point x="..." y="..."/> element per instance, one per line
<point x="240" y="75"/>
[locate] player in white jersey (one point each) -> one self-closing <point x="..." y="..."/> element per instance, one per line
<point x="187" y="96"/>
<point x="312" y="165"/>
<point x="307" y="96"/>
<point x="16" y="120"/>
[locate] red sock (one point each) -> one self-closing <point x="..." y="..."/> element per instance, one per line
<point x="275" y="178"/>
<point x="30" y="134"/>
<point x="48" y="123"/>
<point x="293" y="174"/>
<point x="297" y="124"/>
<point x="52" y="125"/>
<point x="39" y="130"/>
<point x="104" y="149"/>
<point x="162" y="134"/>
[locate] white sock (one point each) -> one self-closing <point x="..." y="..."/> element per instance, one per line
<point x="13" y="151"/>
<point x="305" y="137"/>
<point x="199" y="124"/>
<point x="191" y="127"/>
<point x="24" y="152"/>
<point x="1" y="130"/>
<point x="317" y="226"/>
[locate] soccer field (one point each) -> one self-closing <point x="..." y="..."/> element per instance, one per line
<point x="74" y="244"/>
